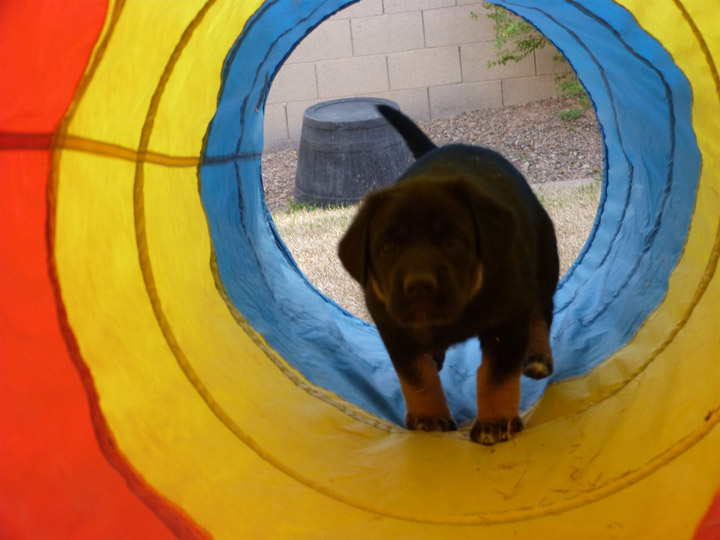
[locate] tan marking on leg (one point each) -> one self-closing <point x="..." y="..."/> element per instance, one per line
<point x="539" y="336"/>
<point x="539" y="359"/>
<point x="497" y="400"/>
<point x="498" y="417"/>
<point x="427" y="407"/>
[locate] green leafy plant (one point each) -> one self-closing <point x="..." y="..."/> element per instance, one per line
<point x="570" y="86"/>
<point x="515" y="39"/>
<point x="573" y="113"/>
<point x="296" y="206"/>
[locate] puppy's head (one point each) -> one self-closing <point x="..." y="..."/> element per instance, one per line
<point x="422" y="248"/>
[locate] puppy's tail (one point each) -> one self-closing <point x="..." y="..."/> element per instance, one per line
<point x="417" y="141"/>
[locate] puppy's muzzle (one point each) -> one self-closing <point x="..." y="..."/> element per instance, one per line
<point x="420" y="302"/>
<point x="420" y="286"/>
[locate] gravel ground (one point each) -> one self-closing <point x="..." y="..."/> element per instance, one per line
<point x="543" y="147"/>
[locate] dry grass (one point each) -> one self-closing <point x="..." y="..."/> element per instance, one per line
<point x="572" y="207"/>
<point x="312" y="237"/>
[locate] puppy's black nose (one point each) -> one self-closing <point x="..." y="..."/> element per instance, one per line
<point x="420" y="286"/>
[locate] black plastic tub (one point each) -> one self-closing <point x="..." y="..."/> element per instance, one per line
<point x="347" y="149"/>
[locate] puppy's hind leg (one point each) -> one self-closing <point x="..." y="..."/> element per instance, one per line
<point x="539" y="359"/>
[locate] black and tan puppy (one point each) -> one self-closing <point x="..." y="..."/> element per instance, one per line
<point x="459" y="247"/>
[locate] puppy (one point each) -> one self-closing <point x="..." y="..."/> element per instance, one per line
<point x="458" y="247"/>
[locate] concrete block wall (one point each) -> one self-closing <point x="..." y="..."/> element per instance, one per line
<point x="428" y="55"/>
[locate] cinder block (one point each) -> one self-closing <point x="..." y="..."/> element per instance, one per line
<point x="454" y="99"/>
<point x="425" y="67"/>
<point x="352" y="76"/>
<point x="295" y="111"/>
<point x="293" y="82"/>
<point x="275" y="123"/>
<point x="387" y="33"/>
<point x="315" y="45"/>
<point x="455" y="25"/>
<point x="396" y="6"/>
<point x="545" y="64"/>
<point x="475" y="58"/>
<point x="528" y="89"/>
<point x="414" y="102"/>
<point x="364" y="8"/>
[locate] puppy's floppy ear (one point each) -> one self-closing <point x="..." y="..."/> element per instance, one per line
<point x="495" y="224"/>
<point x="354" y="247"/>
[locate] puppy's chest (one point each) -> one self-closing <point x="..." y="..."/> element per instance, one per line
<point x="435" y="338"/>
<point x="476" y="319"/>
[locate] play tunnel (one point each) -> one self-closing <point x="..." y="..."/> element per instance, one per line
<point x="167" y="370"/>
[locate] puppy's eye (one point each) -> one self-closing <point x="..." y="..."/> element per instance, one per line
<point x="387" y="247"/>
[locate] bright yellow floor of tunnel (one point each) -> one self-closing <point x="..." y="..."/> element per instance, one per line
<point x="251" y="449"/>
<point x="248" y="432"/>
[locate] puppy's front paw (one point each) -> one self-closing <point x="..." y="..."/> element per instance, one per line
<point x="419" y="422"/>
<point x="495" y="431"/>
<point x="538" y="366"/>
